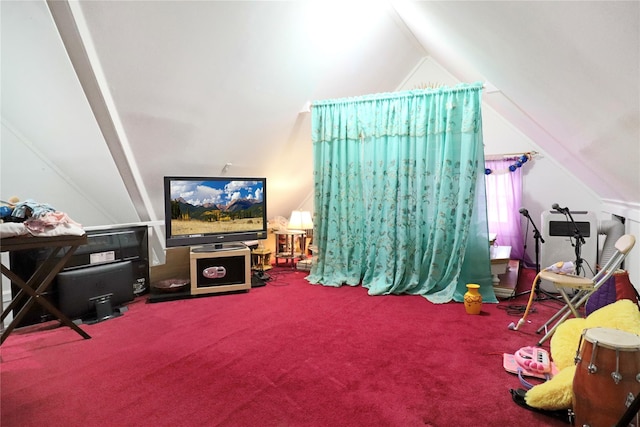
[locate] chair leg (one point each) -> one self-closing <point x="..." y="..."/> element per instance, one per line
<point x="552" y="319"/>
<point x="569" y="302"/>
<point x="559" y="313"/>
<point x="552" y="330"/>
<point x="570" y="308"/>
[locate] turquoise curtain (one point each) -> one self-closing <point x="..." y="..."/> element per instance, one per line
<point x="399" y="193"/>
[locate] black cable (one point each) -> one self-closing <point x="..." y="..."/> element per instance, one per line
<point x="516" y="310"/>
<point x="276" y="276"/>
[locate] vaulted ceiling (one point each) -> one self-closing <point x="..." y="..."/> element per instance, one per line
<point x="568" y="74"/>
<point x="184" y="88"/>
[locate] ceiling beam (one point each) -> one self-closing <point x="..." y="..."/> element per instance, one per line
<point x="70" y="24"/>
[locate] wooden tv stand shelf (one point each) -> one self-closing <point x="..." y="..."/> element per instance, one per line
<point x="190" y="262"/>
<point x="224" y="270"/>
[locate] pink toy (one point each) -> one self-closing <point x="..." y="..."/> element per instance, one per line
<point x="533" y="359"/>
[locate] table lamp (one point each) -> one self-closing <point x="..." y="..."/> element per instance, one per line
<point x="301" y="220"/>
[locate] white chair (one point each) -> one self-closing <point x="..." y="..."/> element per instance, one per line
<point x="583" y="286"/>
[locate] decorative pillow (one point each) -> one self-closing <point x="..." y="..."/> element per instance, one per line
<point x="605" y="295"/>
<point x="617" y="287"/>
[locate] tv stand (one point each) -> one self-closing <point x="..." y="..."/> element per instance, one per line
<point x="215" y="247"/>
<point x="103" y="309"/>
<point x="221" y="270"/>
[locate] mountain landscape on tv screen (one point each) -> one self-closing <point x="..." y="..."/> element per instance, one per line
<point x="236" y="209"/>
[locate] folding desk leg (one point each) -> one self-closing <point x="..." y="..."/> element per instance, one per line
<point x="35" y="296"/>
<point x="35" y="278"/>
<point x="50" y="308"/>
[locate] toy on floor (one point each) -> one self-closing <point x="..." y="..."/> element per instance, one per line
<point x="533" y="359"/>
<point x="529" y="362"/>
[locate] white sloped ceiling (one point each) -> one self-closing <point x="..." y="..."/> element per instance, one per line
<point x="568" y="75"/>
<point x="194" y="85"/>
<point x="198" y="85"/>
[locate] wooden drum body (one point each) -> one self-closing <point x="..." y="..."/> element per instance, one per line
<point x="607" y="377"/>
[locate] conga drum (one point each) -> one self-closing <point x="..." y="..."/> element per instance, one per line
<point x="607" y="377"/>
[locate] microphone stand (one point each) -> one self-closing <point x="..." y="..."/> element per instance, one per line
<point x="538" y="239"/>
<point x="579" y="242"/>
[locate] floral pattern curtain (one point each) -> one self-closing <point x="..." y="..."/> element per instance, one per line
<point x="399" y="193"/>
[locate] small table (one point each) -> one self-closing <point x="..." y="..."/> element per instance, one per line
<point x="40" y="280"/>
<point x="261" y="259"/>
<point x="287" y="248"/>
<point x="500" y="257"/>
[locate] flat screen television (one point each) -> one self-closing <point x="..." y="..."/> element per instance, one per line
<point x="214" y="213"/>
<point x="85" y="293"/>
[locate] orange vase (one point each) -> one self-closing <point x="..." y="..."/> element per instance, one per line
<point x="473" y="299"/>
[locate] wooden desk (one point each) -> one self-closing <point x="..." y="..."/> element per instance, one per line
<point x="40" y="280"/>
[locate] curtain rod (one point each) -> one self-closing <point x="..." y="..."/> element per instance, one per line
<point x="506" y="155"/>
<point x="486" y="86"/>
<point x="460" y="87"/>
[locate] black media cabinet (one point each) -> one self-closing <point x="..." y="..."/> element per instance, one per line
<point x="106" y="250"/>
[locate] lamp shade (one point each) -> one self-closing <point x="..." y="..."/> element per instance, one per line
<point x="300" y="220"/>
<point x="307" y="223"/>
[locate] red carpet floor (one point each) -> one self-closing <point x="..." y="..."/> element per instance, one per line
<point x="287" y="354"/>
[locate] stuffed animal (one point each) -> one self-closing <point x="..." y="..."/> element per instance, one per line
<point x="557" y="393"/>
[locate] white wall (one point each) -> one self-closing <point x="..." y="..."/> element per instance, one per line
<point x="27" y="174"/>
<point x="631" y="214"/>
<point x="545" y="182"/>
<point x="632" y="265"/>
<point x="52" y="148"/>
